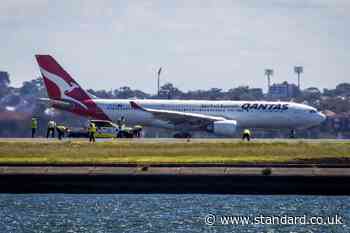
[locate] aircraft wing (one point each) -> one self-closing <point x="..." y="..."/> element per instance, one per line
<point x="178" y="118"/>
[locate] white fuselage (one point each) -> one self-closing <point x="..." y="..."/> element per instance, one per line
<point x="248" y="114"/>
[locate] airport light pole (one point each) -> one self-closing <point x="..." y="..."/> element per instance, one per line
<point x="298" y="70"/>
<point x="268" y="73"/>
<point x="158" y="82"/>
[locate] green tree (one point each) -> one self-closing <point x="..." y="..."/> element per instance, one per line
<point x="311" y="93"/>
<point x="343" y="89"/>
<point x="34" y="87"/>
<point x="169" y="91"/>
<point x="244" y="93"/>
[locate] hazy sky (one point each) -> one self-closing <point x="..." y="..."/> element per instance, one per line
<point x="200" y="44"/>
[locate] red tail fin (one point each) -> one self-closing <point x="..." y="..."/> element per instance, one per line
<point x="59" y="84"/>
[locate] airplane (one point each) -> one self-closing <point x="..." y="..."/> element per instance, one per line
<point x="222" y="118"/>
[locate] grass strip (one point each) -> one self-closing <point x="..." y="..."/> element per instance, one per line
<point x="75" y="152"/>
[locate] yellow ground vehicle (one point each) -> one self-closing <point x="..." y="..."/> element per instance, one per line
<point x="105" y="129"/>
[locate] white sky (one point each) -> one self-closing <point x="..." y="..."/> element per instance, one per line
<point x="200" y="44"/>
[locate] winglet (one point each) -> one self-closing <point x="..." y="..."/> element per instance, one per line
<point x="136" y="106"/>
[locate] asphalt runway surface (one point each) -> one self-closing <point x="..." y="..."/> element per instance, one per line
<point x="176" y="140"/>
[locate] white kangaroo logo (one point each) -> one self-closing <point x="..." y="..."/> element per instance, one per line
<point x="65" y="87"/>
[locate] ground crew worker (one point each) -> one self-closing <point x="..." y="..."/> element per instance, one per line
<point x="34" y="126"/>
<point x="138" y="130"/>
<point x="246" y="135"/>
<point x="121" y="127"/>
<point x="292" y="133"/>
<point x="92" y="132"/>
<point x="51" y="125"/>
<point x="61" y="129"/>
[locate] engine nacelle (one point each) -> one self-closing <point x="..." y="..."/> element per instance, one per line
<point x="224" y="128"/>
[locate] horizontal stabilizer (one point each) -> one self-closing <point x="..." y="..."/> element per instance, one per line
<point x="56" y="103"/>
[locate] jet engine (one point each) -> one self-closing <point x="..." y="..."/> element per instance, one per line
<point x="224" y="128"/>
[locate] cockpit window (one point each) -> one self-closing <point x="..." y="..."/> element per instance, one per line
<point x="313" y="111"/>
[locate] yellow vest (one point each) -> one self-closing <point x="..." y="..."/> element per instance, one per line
<point x="247" y="131"/>
<point x="92" y="128"/>
<point x="61" y="127"/>
<point x="34" y="123"/>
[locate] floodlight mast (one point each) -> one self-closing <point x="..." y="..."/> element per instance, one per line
<point x="158" y="80"/>
<point x="298" y="70"/>
<point x="268" y="73"/>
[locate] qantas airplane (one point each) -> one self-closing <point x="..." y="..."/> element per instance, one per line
<point x="218" y="117"/>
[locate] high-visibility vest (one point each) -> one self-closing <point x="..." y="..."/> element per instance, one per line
<point x="247" y="131"/>
<point x="138" y="127"/>
<point x="92" y="128"/>
<point x="34" y="123"/>
<point x="61" y="128"/>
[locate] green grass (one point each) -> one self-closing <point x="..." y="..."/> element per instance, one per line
<point x="71" y="152"/>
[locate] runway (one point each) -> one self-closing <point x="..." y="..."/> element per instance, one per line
<point x="177" y="140"/>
